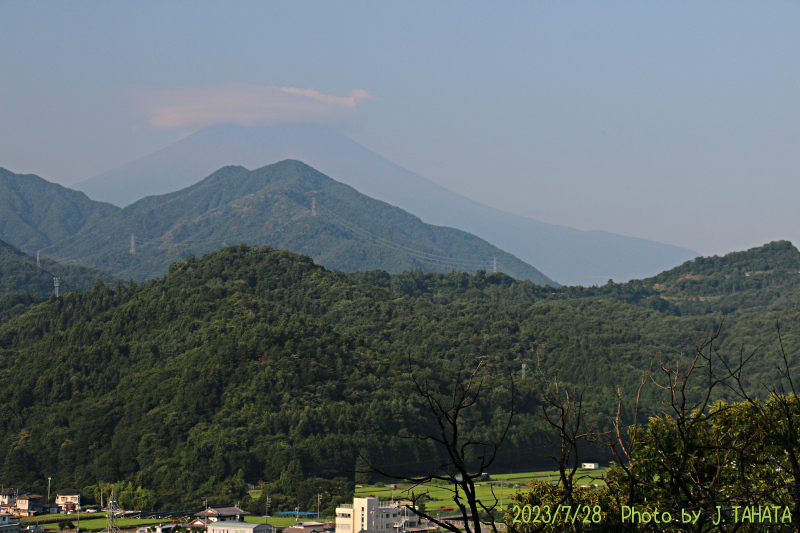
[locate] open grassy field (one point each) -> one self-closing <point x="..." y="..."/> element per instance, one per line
<point x="96" y="524"/>
<point x="57" y="517"/>
<point x="502" y="485"/>
<point x="100" y="523"/>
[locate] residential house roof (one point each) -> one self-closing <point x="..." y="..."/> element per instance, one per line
<point x="239" y="526"/>
<point x="13" y="492"/>
<point x="221" y="512"/>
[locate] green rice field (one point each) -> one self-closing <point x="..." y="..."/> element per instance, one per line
<point x="503" y="486"/>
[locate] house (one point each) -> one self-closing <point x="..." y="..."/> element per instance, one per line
<point x="6" y="525"/>
<point x="311" y="527"/>
<point x="69" y="501"/>
<point x="231" y="526"/>
<point x="9" y="496"/>
<point x="370" y="514"/>
<point x="197" y="523"/>
<point x="222" y="514"/>
<point x="31" y="505"/>
<point x="172" y="527"/>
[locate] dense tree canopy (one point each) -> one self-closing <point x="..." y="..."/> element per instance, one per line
<point x="255" y="364"/>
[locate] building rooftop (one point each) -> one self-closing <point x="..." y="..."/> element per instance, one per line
<point x="237" y="525"/>
<point x="222" y="511"/>
<point x="13" y="492"/>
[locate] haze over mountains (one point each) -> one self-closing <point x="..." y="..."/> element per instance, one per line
<point x="564" y="254"/>
<point x="287" y="205"/>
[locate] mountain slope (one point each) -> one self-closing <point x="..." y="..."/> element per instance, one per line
<point x="19" y="274"/>
<point x="240" y="363"/>
<point x="35" y="213"/>
<point x="273" y="205"/>
<point x="564" y="254"/>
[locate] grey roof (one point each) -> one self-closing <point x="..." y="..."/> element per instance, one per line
<point x="239" y="525"/>
<point x="222" y="511"/>
<point x="12" y="492"/>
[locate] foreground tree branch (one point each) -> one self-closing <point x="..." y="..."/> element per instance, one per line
<point x="456" y="459"/>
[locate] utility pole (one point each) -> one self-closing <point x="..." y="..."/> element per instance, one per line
<point x="266" y="518"/>
<point x="56" y="281"/>
<point x="48" y="479"/>
<point x="313" y="207"/>
<point x="523" y="370"/>
<point x="319" y="499"/>
<point x="133" y="245"/>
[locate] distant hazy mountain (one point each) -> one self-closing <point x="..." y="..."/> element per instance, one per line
<point x="35" y="213"/>
<point x="286" y="205"/>
<point x="564" y="254"/>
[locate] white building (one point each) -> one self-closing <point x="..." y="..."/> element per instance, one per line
<point x="230" y="526"/>
<point x="6" y="525"/>
<point x="370" y="514"/>
<point x="69" y="501"/>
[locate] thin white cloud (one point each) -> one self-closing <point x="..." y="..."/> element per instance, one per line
<point x="249" y="105"/>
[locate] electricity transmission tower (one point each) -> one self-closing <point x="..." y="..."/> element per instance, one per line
<point x="112" y="510"/>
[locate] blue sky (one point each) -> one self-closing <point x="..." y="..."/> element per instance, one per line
<point x="674" y="121"/>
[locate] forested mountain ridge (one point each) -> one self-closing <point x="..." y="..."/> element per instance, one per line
<point x="288" y="205"/>
<point x="20" y="274"/>
<point x="35" y="213"/>
<point x="766" y="277"/>
<point x="247" y="363"/>
<point x="246" y="360"/>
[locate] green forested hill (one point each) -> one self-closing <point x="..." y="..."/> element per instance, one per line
<point x="288" y="205"/>
<point x="35" y="213"/>
<point x="257" y="364"/>
<point x="763" y="278"/>
<point x="20" y="274"/>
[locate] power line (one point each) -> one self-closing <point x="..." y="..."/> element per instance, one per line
<point x="429" y="257"/>
<point x="144" y="270"/>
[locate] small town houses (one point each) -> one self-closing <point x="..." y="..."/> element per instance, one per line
<point x="18" y="502"/>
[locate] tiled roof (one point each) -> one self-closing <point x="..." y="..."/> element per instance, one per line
<point x="222" y="511"/>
